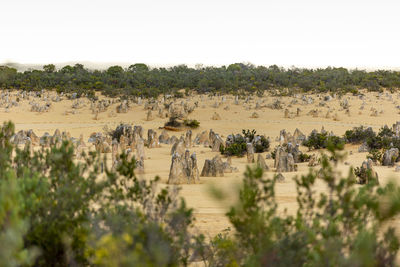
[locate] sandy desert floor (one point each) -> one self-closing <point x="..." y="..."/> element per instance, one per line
<point x="209" y="212"/>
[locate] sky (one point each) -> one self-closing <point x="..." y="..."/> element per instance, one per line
<point x="308" y="33"/>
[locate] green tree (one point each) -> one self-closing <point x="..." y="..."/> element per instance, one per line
<point x="50" y="68"/>
<point x="138" y="67"/>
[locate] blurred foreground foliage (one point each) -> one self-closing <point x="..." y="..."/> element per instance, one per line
<point x="344" y="225"/>
<point x="59" y="212"/>
<point x="56" y="211"/>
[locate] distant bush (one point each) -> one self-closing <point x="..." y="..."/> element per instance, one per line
<point x="375" y="155"/>
<point x="191" y="123"/>
<point x="385" y="139"/>
<point x="321" y="140"/>
<point x="365" y="176"/>
<point x="385" y="132"/>
<point x="178" y="94"/>
<point x="304" y="157"/>
<point x="260" y="142"/>
<point x="359" y="135"/>
<point x="273" y="153"/>
<point x="263" y="146"/>
<point x="249" y="134"/>
<point x="237" y="146"/>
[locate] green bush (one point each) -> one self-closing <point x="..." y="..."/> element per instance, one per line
<point x="322" y="140"/>
<point x="385" y="132"/>
<point x="191" y="123"/>
<point x="385" y="139"/>
<point x="13" y="227"/>
<point x="178" y="94"/>
<point x="249" y="133"/>
<point x="273" y="153"/>
<point x="304" y="157"/>
<point x="375" y="155"/>
<point x="237" y="146"/>
<point x="235" y="149"/>
<point x="359" y="135"/>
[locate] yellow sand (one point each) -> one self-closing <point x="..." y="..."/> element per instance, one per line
<point x="209" y="212"/>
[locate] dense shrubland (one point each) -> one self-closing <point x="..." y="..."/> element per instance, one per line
<point x="359" y="135"/>
<point x="375" y="143"/>
<point x="236" y="143"/>
<point x="55" y="211"/>
<point x="140" y="80"/>
<point x="321" y="140"/>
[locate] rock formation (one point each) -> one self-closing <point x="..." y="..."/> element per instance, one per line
<point x="215" y="141"/>
<point x="178" y="147"/>
<point x="114" y="153"/>
<point x="295" y="151"/>
<point x="279" y="177"/>
<point x="164" y="137"/>
<point x="149" y="116"/>
<point x="250" y="152"/>
<point x="390" y="156"/>
<point x="202" y="138"/>
<point x="367" y="173"/>
<point x="213" y="167"/>
<point x="261" y="163"/>
<point x="284" y="161"/>
<point x="140" y="149"/>
<point x="363" y="148"/>
<point x="298" y="136"/>
<point x="152" y="139"/>
<point x="216" y="117"/>
<point x="122" y="108"/>
<point x="183" y="169"/>
<point x="286" y="115"/>
<point x="188" y="139"/>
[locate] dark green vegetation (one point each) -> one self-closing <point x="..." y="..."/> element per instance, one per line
<point x="359" y="135"/>
<point x="375" y="155"/>
<point x="321" y="140"/>
<point x="384" y="139"/>
<point x="191" y="123"/>
<point x="140" y="80"/>
<point x="236" y="144"/>
<point x="375" y="143"/>
<point x="55" y="211"/>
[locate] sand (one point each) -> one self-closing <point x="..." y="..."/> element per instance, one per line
<point x="208" y="211"/>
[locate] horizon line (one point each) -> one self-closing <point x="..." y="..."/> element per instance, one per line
<point x="97" y="65"/>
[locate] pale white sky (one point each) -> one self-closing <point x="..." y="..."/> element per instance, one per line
<point x="309" y="33"/>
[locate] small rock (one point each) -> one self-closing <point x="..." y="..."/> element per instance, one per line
<point x="279" y="177"/>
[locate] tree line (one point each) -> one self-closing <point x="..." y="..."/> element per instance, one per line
<point x="141" y="80"/>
